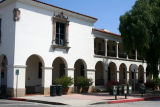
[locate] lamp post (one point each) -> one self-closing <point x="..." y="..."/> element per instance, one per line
<point x="114" y="87"/>
<point x="129" y="89"/>
<point x="125" y="91"/>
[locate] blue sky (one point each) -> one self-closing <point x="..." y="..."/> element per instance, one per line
<point x="107" y="11"/>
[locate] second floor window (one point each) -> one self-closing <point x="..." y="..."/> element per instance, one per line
<point x="60" y="33"/>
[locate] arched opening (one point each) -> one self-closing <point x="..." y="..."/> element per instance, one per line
<point x="112" y="72"/>
<point x="34" y="71"/>
<point x="99" y="46"/>
<point x="123" y="74"/>
<point x="80" y="69"/>
<point x="140" y="74"/>
<point x="99" y="74"/>
<point x="59" y="68"/>
<point x="133" y="76"/>
<point x="3" y="75"/>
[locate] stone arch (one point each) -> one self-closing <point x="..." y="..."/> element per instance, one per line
<point x="80" y="69"/>
<point x="133" y="76"/>
<point x="34" y="74"/>
<point x="141" y="74"/>
<point x="112" y="72"/>
<point x="99" y="73"/>
<point x="123" y="74"/>
<point x="59" y="68"/>
<point x="3" y="74"/>
<point x="132" y="73"/>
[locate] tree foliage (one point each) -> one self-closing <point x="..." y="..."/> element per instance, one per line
<point x="140" y="30"/>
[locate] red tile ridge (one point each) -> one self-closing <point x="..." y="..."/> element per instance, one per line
<point x="60" y="8"/>
<point x="103" y="31"/>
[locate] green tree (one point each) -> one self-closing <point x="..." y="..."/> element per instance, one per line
<point x="140" y="30"/>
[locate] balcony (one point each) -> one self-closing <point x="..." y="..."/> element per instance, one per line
<point x="111" y="53"/>
<point x="61" y="44"/>
<point x="122" y="55"/>
<point x="132" y="56"/>
<point x="99" y="52"/>
<point x="139" y="57"/>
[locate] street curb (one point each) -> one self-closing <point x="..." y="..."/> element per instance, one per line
<point x="133" y="100"/>
<point x="36" y="101"/>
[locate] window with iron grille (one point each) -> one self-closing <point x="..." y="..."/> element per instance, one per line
<point x="60" y="33"/>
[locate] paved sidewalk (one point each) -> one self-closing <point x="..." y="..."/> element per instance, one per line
<point x="87" y="99"/>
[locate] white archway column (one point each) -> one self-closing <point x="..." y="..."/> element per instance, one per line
<point x="91" y="75"/>
<point x="16" y="83"/>
<point x="106" y="50"/>
<point x="145" y="77"/>
<point x="117" y="75"/>
<point x="46" y="80"/>
<point x="105" y="74"/>
<point x="70" y="72"/>
<point x="136" y="54"/>
<point x="117" y="43"/>
<point x="136" y="77"/>
<point x="127" y="76"/>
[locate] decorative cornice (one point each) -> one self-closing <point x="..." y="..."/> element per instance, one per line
<point x="61" y="16"/>
<point x="16" y="14"/>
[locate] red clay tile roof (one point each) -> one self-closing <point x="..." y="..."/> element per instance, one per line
<point x="99" y="30"/>
<point x="60" y="8"/>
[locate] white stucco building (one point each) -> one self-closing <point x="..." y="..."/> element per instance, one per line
<point x="44" y="42"/>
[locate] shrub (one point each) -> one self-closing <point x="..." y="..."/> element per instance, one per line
<point x="153" y="83"/>
<point x="149" y="84"/>
<point x="156" y="81"/>
<point x="64" y="81"/>
<point x="83" y="82"/>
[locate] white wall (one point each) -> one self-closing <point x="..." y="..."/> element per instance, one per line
<point x="34" y="34"/>
<point x="8" y="32"/>
<point x="8" y="38"/>
<point x="34" y="31"/>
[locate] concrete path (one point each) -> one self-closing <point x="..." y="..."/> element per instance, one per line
<point x="87" y="99"/>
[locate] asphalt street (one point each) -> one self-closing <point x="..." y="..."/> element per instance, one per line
<point x="9" y="103"/>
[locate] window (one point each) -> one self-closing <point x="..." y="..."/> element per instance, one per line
<point x="40" y="70"/>
<point x="0" y="30"/>
<point x="60" y="33"/>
